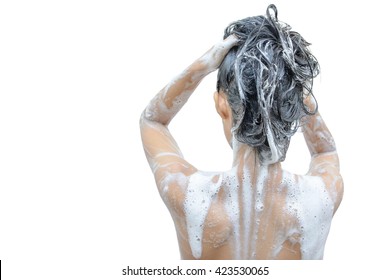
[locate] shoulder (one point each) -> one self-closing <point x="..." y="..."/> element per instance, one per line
<point x="184" y="189"/>
<point x="307" y="196"/>
<point x="327" y="167"/>
<point x="319" y="188"/>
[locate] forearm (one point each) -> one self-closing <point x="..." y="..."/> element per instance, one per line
<point x="168" y="102"/>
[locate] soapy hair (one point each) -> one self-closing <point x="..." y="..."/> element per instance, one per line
<point x="266" y="78"/>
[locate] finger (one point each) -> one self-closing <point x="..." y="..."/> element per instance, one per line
<point x="227" y="43"/>
<point x="231" y="41"/>
<point x="224" y="46"/>
<point x="215" y="55"/>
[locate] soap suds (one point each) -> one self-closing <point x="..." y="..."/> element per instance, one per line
<point x="259" y="206"/>
<point x="247" y="200"/>
<point x="309" y="201"/>
<point x="200" y="192"/>
<point x="232" y="208"/>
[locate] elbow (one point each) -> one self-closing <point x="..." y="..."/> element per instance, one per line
<point x="145" y="119"/>
<point x="153" y="115"/>
<point x="147" y="115"/>
<point x="149" y="118"/>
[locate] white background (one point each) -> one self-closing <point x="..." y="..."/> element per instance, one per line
<point x="77" y="198"/>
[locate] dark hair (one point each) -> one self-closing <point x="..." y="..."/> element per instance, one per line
<point x="266" y="78"/>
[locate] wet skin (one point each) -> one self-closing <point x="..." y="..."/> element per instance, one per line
<point x="254" y="210"/>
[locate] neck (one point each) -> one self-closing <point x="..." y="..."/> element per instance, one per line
<point x="244" y="154"/>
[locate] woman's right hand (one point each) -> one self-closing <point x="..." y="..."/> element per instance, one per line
<point x="213" y="58"/>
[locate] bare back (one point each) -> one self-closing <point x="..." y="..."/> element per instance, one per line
<point x="266" y="213"/>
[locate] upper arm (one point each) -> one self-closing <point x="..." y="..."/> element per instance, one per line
<point x="170" y="169"/>
<point x="326" y="166"/>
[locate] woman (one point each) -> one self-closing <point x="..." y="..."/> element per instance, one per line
<point x="256" y="210"/>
